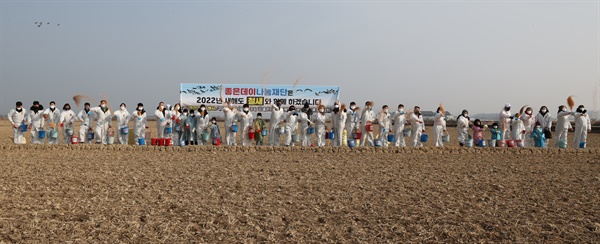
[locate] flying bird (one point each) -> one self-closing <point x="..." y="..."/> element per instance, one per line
<point x="58" y="25"/>
<point x="48" y="23"/>
<point x="36" y="23"/>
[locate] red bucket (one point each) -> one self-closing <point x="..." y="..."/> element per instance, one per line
<point x="168" y="142"/>
<point x="369" y="127"/>
<point x="326" y="135"/>
<point x="74" y="140"/>
<point x="216" y="141"/>
<point x="357" y="135"/>
<point x="154" y="141"/>
<point x="161" y="141"/>
<point x="251" y="135"/>
<point x="510" y="143"/>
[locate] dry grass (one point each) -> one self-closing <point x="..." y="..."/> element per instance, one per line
<point x="91" y="193"/>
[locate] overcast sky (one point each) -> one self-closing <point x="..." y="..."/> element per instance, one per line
<point x="474" y="55"/>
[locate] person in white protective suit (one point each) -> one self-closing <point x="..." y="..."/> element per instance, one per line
<point x="140" y="123"/>
<point x="518" y="128"/>
<point x="417" y="127"/>
<point x="583" y="125"/>
<point x="505" y="118"/>
<point x="17" y="118"/>
<point x="176" y="117"/>
<point x="246" y="120"/>
<point x="462" y="127"/>
<point x="162" y="119"/>
<point x="52" y="116"/>
<point x="399" y="119"/>
<point x="85" y="116"/>
<point x="190" y="128"/>
<point x="352" y="120"/>
<point x="123" y="116"/>
<point x="305" y="121"/>
<point x="37" y="121"/>
<point x="385" y="122"/>
<point x="367" y="117"/>
<point x="529" y="124"/>
<point x="230" y="119"/>
<point x="202" y="124"/>
<point x="338" y="121"/>
<point x="67" y="119"/>
<point x="103" y="117"/>
<point x="277" y="118"/>
<point x="545" y="119"/>
<point x="291" y="125"/>
<point x="439" y="127"/>
<point x="320" y="120"/>
<point x="563" y="125"/>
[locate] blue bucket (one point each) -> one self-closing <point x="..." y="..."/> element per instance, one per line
<point x="391" y="138"/>
<point x="351" y="143"/>
<point x="41" y="134"/>
<point x="562" y="143"/>
<point x="182" y="143"/>
<point x="54" y="134"/>
<point x="90" y="135"/>
<point x="582" y="144"/>
<point x="125" y="130"/>
<point x="311" y="130"/>
<point x="234" y="128"/>
<point x="168" y="130"/>
<point x="23" y="128"/>
<point x="177" y="127"/>
<point x="424" y="137"/>
<point x="331" y="135"/>
<point x="378" y="143"/>
<point x="142" y="141"/>
<point x="264" y="132"/>
<point x="481" y="143"/>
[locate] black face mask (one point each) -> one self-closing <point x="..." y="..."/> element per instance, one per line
<point x="66" y="109"/>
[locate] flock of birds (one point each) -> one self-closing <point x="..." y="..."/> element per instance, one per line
<point x="199" y="90"/>
<point x="39" y="24"/>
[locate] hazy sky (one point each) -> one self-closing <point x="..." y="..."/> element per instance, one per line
<point x="476" y="55"/>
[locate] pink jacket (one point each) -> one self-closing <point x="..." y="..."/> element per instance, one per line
<point x="477" y="133"/>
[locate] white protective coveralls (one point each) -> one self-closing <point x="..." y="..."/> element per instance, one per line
<point x="123" y="116"/>
<point x="529" y="125"/>
<point x="462" y="128"/>
<point x="230" y="119"/>
<point x="582" y="126"/>
<point x="562" y="125"/>
<point x="52" y="119"/>
<point x="202" y="125"/>
<point x="86" y="118"/>
<point x="103" y="122"/>
<point x="320" y="120"/>
<point x="291" y="125"/>
<point x="36" y="118"/>
<point x="417" y="127"/>
<point x="246" y="120"/>
<point x="305" y="123"/>
<point x="352" y="122"/>
<point x="517" y="129"/>
<point x="439" y="126"/>
<point x="545" y="122"/>
<point x="67" y="119"/>
<point x="399" y="119"/>
<point x="276" y="118"/>
<point x="384" y="121"/>
<point x="505" y="121"/>
<point x="367" y="136"/>
<point x="16" y="119"/>
<point x="338" y="121"/>
<point x="162" y="121"/>
<point x="139" y="125"/>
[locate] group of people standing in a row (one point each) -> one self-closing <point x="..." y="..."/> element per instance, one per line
<point x="198" y="128"/>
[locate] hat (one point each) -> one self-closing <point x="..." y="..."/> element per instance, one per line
<point x="507" y="105"/>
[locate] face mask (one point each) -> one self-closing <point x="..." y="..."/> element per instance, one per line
<point x="140" y="108"/>
<point x="322" y="110"/>
<point x="202" y="109"/>
<point x="162" y="107"/>
<point x="337" y="106"/>
<point x="185" y="113"/>
<point x="564" y="110"/>
<point x="214" y="122"/>
<point x="67" y="109"/>
<point x="122" y="107"/>
<point x="401" y="110"/>
<point x="544" y="110"/>
<point x="19" y="109"/>
<point x="259" y="117"/>
<point x="537" y="127"/>
<point x="528" y="112"/>
<point x="352" y="107"/>
<point x="246" y="109"/>
<point x="495" y="127"/>
<point x="385" y="110"/>
<point x="52" y="107"/>
<point x="103" y="105"/>
<point x="279" y="105"/>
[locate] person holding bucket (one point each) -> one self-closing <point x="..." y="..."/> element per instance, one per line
<point x="18" y="119"/>
<point x="462" y="127"/>
<point x="478" y="129"/>
<point x="367" y="125"/>
<point x="275" y="122"/>
<point x="291" y="125"/>
<point x="202" y="124"/>
<point x="352" y="121"/>
<point x="518" y="129"/>
<point x="384" y="121"/>
<point x="52" y="115"/>
<point x="215" y="132"/>
<point x="85" y="116"/>
<point x="417" y="127"/>
<point x="399" y="119"/>
<point x="123" y="117"/>
<point x="103" y="117"/>
<point x="583" y="125"/>
<point x="176" y="117"/>
<point x="306" y="125"/>
<point x="439" y="127"/>
<point x="259" y="128"/>
<point x="505" y="118"/>
<point x="67" y="117"/>
<point x="140" y="123"/>
<point x="563" y="125"/>
<point x="190" y="128"/>
<point x="36" y="118"/>
<point x="338" y="121"/>
<point x="320" y="120"/>
<point x="162" y="119"/>
<point x="545" y="119"/>
<point x="529" y="124"/>
<point x="246" y="119"/>
<point x="230" y="127"/>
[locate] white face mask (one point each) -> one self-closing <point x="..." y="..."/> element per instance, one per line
<point x="246" y="109"/>
<point x="103" y="105"/>
<point x="162" y="107"/>
<point x="337" y="106"/>
<point x="528" y="111"/>
<point x="401" y="109"/>
<point x="123" y="108"/>
<point x="184" y="113"/>
<point x="564" y="109"/>
<point x="259" y="117"/>
<point x="52" y="106"/>
<point x="322" y="110"/>
<point x="385" y="110"/>
<point x="140" y="108"/>
<point x="352" y="107"/>
<point x="202" y="109"/>
<point x="537" y="127"/>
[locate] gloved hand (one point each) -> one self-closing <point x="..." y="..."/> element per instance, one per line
<point x="14" y="125"/>
<point x="89" y="112"/>
<point x="84" y="124"/>
<point x="177" y="121"/>
<point x="173" y="117"/>
<point x="117" y="116"/>
<point x="62" y="125"/>
<point x="162" y="119"/>
<point x="524" y="131"/>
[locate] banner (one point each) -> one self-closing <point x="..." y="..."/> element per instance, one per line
<point x="259" y="97"/>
